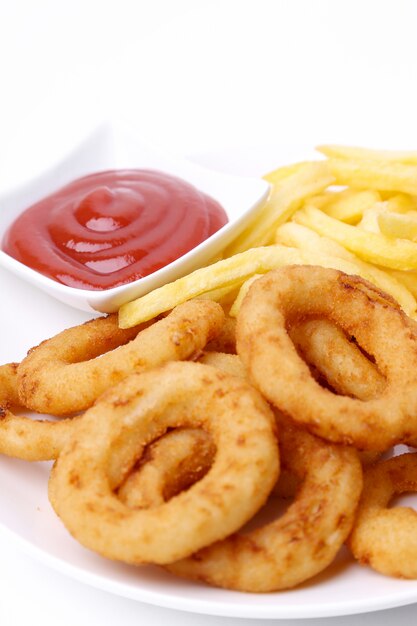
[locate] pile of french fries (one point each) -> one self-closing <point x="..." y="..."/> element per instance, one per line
<point x="355" y="211"/>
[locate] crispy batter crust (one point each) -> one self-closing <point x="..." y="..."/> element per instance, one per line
<point x="305" y="539"/>
<point x="382" y="537"/>
<point x="129" y="416"/>
<point x="67" y="373"/>
<point x="283" y="297"/>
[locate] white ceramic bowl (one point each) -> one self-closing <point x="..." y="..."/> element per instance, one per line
<point x="112" y="146"/>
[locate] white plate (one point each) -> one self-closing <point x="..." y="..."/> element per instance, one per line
<point x="113" y="146"/>
<point x="27" y="317"/>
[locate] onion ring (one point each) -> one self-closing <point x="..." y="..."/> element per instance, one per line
<point x="23" y="437"/>
<point x="8" y="385"/>
<point x="42" y="440"/>
<point x="305" y="539"/>
<point x="129" y="416"/>
<point x="229" y="363"/>
<point x="345" y="368"/>
<point x="68" y="372"/>
<point x="276" y="301"/>
<point x="168" y="466"/>
<point x="386" y="538"/>
<point x="226" y="339"/>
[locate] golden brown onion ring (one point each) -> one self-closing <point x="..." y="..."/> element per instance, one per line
<point x="21" y="436"/>
<point x="280" y="298"/>
<point x="111" y="438"/>
<point x="168" y="466"/>
<point x="229" y="363"/>
<point x="344" y="366"/>
<point x="68" y="372"/>
<point x="305" y="539"/>
<point x="382" y="537"/>
<point x="226" y="339"/>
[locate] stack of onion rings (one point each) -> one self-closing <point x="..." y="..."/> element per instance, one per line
<point x="316" y="343"/>
<point x="305" y="539"/>
<point x="183" y="333"/>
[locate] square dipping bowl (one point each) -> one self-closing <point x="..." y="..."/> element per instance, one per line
<point x="112" y="146"/>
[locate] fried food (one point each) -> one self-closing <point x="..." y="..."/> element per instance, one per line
<point x="305" y="539"/>
<point x="235" y="271"/>
<point x="397" y="254"/>
<point x="374" y="174"/>
<point x="337" y="359"/>
<point x="349" y="205"/>
<point x="276" y="301"/>
<point x="22" y="437"/>
<point x="298" y="236"/>
<point x="225" y="341"/>
<point x="408" y="157"/>
<point x="8" y="385"/>
<point x="229" y="363"/>
<point x="287" y="195"/>
<point x="111" y="438"/>
<point x="168" y="466"/>
<point x="68" y="372"/>
<point x="386" y="537"/>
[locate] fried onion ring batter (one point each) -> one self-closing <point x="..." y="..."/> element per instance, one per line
<point x="67" y="373"/>
<point x="169" y="465"/>
<point x="22" y="437"/>
<point x="281" y="298"/>
<point x="345" y="368"/>
<point x="386" y="538"/>
<point x="302" y="542"/>
<point x="131" y="415"/>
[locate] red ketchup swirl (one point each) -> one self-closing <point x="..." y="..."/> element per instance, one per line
<point x="113" y="227"/>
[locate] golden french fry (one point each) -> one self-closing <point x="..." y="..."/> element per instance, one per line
<point x="284" y="200"/>
<point x="369" y="221"/>
<point x="278" y="175"/>
<point x="401" y="203"/>
<point x="349" y="205"/>
<point x="401" y="225"/>
<point x="373" y="247"/>
<point x="221" y="293"/>
<point x="379" y="175"/>
<point x="321" y="200"/>
<point x="298" y="236"/>
<point x="229" y="271"/>
<point x="234" y="309"/>
<point x="352" y="152"/>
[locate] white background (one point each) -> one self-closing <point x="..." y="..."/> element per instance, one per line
<point x="196" y="78"/>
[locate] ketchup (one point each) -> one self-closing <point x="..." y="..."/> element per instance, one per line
<point x="112" y="227"/>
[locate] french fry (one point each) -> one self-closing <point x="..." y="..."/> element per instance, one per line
<point x="401" y="203"/>
<point x="408" y="279"/>
<point x="298" y="236"/>
<point x="349" y="205"/>
<point x="234" y="309"/>
<point x="369" y="221"/>
<point x="400" y="225"/>
<point x="280" y="173"/>
<point x="399" y="254"/>
<point x="322" y="200"/>
<point x="285" y="199"/>
<point x="380" y="198"/>
<point x="232" y="271"/>
<point x="366" y="154"/>
<point x="379" y="175"/>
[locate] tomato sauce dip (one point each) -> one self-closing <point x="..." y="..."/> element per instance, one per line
<point x="111" y="228"/>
